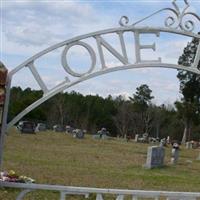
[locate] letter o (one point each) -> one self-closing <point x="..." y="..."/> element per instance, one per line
<point x="65" y="63"/>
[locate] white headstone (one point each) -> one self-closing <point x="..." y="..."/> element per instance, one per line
<point x="175" y="155"/>
<point x="188" y="145"/>
<point x="136" y="137"/>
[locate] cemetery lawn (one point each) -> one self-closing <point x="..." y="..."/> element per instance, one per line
<point x="57" y="158"/>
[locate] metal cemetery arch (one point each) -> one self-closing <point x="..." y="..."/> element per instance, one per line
<point x="176" y="23"/>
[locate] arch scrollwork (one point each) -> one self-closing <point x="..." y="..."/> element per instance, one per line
<point x="176" y="20"/>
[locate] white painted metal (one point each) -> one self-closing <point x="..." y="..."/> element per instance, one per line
<point x="178" y="19"/>
<point x="120" y="197"/>
<point x="65" y="84"/>
<point x="23" y="193"/>
<point x="103" y="64"/>
<point x="197" y="57"/>
<point x="37" y="77"/>
<point x="99" y="192"/>
<point x="63" y="194"/>
<point x="91" y="72"/>
<point x="90" y="51"/>
<point x="104" y="32"/>
<point x="101" y="42"/>
<point x="139" y="47"/>
<point x="121" y="38"/>
<point x="99" y="197"/>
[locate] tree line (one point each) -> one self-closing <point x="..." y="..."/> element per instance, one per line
<point x="122" y="117"/>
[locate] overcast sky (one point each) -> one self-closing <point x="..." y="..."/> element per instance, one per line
<point x="30" y="26"/>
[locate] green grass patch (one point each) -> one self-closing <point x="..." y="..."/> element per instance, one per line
<point x="57" y="158"/>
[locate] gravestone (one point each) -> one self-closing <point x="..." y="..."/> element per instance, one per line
<point x="175" y="154"/>
<point x="188" y="145"/>
<point x="136" y="137"/>
<point x="155" y="157"/>
<point x="58" y="128"/>
<point x="40" y="127"/>
<point x="163" y="142"/>
<point x="78" y="133"/>
<point x="168" y="139"/>
<point x="145" y="137"/>
<point x="102" y="134"/>
<point x="69" y="129"/>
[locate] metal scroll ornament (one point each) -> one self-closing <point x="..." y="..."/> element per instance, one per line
<point x="176" y="20"/>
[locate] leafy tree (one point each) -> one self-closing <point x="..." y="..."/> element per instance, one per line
<point x="189" y="107"/>
<point x="142" y="97"/>
<point x="141" y="101"/>
<point x="119" y="116"/>
<point x="123" y="118"/>
<point x="187" y="112"/>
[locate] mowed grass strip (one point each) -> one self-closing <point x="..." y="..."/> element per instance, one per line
<point x="58" y="158"/>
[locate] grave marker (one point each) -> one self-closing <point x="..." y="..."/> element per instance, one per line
<point x="136" y="137"/>
<point x="188" y="145"/>
<point x="155" y="157"/>
<point x="175" y="154"/>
